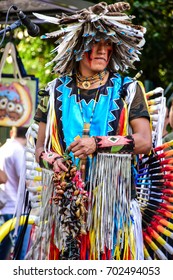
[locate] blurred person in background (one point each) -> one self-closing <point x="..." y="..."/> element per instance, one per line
<point x="12" y="158"/>
<point x="166" y="123"/>
<point x="3" y="180"/>
<point x="3" y="177"/>
<point x="169" y="136"/>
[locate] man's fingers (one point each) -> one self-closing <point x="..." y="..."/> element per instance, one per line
<point x="80" y="155"/>
<point x="62" y="166"/>
<point x="82" y="147"/>
<point x="58" y="166"/>
<point x="76" y="145"/>
<point x="75" y="149"/>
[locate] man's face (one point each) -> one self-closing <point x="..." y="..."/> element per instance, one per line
<point x="171" y="116"/>
<point x="97" y="59"/>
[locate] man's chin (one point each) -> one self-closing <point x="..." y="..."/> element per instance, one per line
<point x="100" y="66"/>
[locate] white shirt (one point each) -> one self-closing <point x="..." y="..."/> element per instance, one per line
<point x="12" y="160"/>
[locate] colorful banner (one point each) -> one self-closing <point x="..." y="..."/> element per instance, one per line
<point x="17" y="101"/>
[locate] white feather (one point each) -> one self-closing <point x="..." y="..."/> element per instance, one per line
<point x="47" y="18"/>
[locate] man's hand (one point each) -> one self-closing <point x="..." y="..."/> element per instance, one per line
<point x="83" y="147"/>
<point x="52" y="160"/>
<point x="59" y="165"/>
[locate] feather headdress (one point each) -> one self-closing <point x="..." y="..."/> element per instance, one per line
<point x="76" y="33"/>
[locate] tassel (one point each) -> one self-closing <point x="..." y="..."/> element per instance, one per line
<point x="109" y="220"/>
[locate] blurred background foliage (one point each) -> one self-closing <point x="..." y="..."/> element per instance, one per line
<point x="156" y="58"/>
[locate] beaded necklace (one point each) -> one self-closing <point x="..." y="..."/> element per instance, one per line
<point x="86" y="82"/>
<point x="86" y="127"/>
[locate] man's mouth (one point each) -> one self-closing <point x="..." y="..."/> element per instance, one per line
<point x="101" y="58"/>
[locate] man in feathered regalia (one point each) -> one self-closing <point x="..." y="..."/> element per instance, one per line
<point x="92" y="121"/>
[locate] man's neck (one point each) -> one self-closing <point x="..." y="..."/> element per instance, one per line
<point x="21" y="140"/>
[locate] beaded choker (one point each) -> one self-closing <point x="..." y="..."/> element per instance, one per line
<point x="86" y="82"/>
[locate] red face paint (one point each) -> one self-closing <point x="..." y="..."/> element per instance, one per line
<point x="88" y="57"/>
<point x="97" y="52"/>
<point x="97" y="59"/>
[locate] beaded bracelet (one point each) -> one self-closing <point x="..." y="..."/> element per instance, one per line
<point x="96" y="142"/>
<point x="110" y="144"/>
<point x="46" y="160"/>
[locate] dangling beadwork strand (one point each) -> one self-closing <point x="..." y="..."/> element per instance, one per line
<point x="86" y="127"/>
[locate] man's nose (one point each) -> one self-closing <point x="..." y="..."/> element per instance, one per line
<point x="101" y="47"/>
